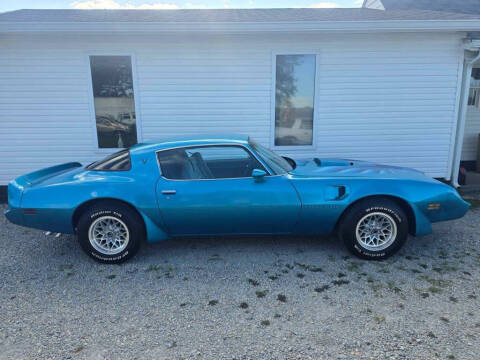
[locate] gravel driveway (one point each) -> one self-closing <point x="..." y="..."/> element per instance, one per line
<point x="256" y="298"/>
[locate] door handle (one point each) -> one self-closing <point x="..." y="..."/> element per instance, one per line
<point x="169" y="192"/>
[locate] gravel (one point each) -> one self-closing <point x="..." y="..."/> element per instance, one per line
<point x="239" y="298"/>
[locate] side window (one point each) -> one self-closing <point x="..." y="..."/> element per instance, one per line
<point x="119" y="161"/>
<point x="207" y="162"/>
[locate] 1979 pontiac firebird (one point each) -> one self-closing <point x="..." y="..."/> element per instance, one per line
<point x="224" y="186"/>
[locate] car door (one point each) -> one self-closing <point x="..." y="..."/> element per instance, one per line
<point x="210" y="190"/>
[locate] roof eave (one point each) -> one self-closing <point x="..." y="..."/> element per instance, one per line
<point x="241" y="27"/>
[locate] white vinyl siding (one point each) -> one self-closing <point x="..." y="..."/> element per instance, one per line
<point x="388" y="98"/>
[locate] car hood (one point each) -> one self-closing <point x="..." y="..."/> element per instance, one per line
<point x="351" y="168"/>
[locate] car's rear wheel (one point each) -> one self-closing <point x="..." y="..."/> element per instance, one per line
<point x="110" y="232"/>
<point x="374" y="228"/>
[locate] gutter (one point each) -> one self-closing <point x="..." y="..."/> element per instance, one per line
<point x="242" y="27"/>
<point x="467" y="76"/>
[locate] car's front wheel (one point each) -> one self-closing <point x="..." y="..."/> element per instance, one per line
<point x="110" y="232"/>
<point x="374" y="228"/>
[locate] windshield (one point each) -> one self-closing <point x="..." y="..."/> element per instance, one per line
<point x="275" y="162"/>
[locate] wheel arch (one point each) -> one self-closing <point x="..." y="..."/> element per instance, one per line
<point x="89" y="203"/>
<point x="402" y="203"/>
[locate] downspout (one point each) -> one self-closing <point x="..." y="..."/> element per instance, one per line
<point x="462" y="119"/>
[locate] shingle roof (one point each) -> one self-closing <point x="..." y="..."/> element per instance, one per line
<point x="457" y="6"/>
<point x="226" y="15"/>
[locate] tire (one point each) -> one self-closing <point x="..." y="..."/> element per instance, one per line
<point x="374" y="229"/>
<point x="110" y="232"/>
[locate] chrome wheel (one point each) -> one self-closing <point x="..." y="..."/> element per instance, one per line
<point x="376" y="231"/>
<point x="108" y="235"/>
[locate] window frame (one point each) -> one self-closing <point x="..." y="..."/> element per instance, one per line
<point x="476" y="89"/>
<point x="249" y="151"/>
<point x="315" y="101"/>
<point x="91" y="100"/>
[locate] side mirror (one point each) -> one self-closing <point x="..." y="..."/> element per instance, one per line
<point x="258" y="174"/>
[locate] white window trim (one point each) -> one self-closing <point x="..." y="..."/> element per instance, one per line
<point x="92" y="103"/>
<point x="315" y="101"/>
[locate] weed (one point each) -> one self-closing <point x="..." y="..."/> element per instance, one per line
<point x="65" y="267"/>
<point x="300" y="275"/>
<point x="282" y="298"/>
<point x="243" y="305"/>
<point x="112" y="276"/>
<point x="276" y="316"/>
<point x="453" y="299"/>
<point x="340" y="282"/>
<point x="273" y="277"/>
<point x="78" y="349"/>
<point x="213" y="302"/>
<point x="379" y="319"/>
<point x="431" y="335"/>
<point x="261" y="294"/>
<point x="265" y="322"/>
<point x="154" y="268"/>
<point x="340" y="275"/>
<point x="425" y="295"/>
<point x="253" y="282"/>
<point x="322" y="288"/>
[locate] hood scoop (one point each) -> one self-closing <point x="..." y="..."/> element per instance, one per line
<point x="332" y="162"/>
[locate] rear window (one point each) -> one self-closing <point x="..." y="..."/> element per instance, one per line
<point x="119" y="161"/>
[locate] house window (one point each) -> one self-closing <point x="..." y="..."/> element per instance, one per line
<point x="113" y="98"/>
<point x="294" y="99"/>
<point x="474" y="95"/>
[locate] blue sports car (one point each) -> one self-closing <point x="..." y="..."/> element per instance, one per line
<point x="225" y="185"/>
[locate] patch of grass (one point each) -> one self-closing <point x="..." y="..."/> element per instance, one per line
<point x="69" y="274"/>
<point x="277" y="316"/>
<point x="340" y="282"/>
<point x="425" y="266"/>
<point x="425" y="295"/>
<point x="273" y="277"/>
<point x="243" y="305"/>
<point x="416" y="271"/>
<point x="111" y="276"/>
<point x="285" y="271"/>
<point x="331" y="258"/>
<point x="391" y="285"/>
<point x="308" y="267"/>
<point x="300" y="275"/>
<point x="322" y="288"/>
<point x="78" y="349"/>
<point x="451" y="357"/>
<point x="288" y="266"/>
<point x="154" y="268"/>
<point x="261" y="294"/>
<point x="65" y="267"/>
<point x="253" y="282"/>
<point x="370" y="280"/>
<point x="453" y="299"/>
<point x="340" y="275"/>
<point x="431" y="335"/>
<point x="355" y="267"/>
<point x="213" y="302"/>
<point x="214" y="257"/>
<point x="281" y="298"/>
<point x="435" y="290"/>
<point x="265" y="322"/>
<point x="379" y="319"/>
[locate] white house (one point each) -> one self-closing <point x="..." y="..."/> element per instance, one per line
<point x="385" y="86"/>
<point x="471" y="139"/>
